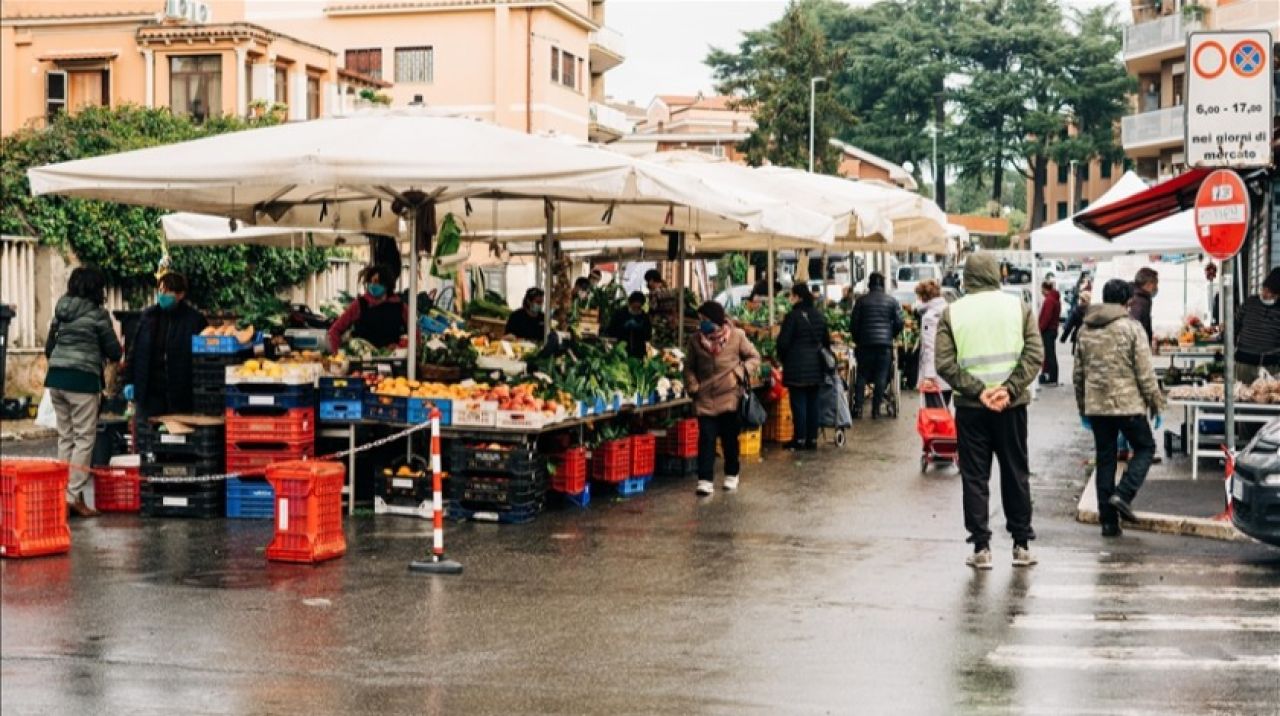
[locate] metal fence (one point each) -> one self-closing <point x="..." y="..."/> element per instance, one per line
<point x="18" y="288"/>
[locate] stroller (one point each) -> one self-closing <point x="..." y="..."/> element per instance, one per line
<point x="833" y="406"/>
<point x="937" y="428"/>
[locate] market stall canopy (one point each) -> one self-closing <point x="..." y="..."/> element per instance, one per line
<point x="918" y="224"/>
<point x="348" y="173"/>
<point x="187" y="229"/>
<point x="1136" y="210"/>
<point x="1174" y="234"/>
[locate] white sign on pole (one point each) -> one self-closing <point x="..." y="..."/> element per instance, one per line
<point x="1228" y="101"/>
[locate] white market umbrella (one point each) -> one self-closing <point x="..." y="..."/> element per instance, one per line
<point x="193" y="230"/>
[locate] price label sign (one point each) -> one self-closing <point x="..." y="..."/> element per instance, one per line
<point x="1229" y="99"/>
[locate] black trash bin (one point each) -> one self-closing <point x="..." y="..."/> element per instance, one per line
<point x="6" y="316"/>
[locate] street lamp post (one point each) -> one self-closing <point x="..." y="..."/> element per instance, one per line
<point x="813" y="96"/>
<point x="933" y="132"/>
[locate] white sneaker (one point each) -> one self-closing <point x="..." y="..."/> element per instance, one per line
<point x="730" y="482"/>
<point x="1022" y="557"/>
<point x="979" y="560"/>
<point x="706" y="487"/>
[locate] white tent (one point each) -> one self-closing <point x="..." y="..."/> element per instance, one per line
<point x="1173" y="235"/>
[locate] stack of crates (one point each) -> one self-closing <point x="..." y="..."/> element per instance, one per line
<point x="612" y="467"/>
<point x="341" y="399"/>
<point x="266" y="423"/>
<point x="308" y="511"/>
<point x="210" y="357"/>
<point x="779" y="428"/>
<point x="678" y="449"/>
<point x="404" y="488"/>
<point x="192" y="454"/>
<point x="33" y="508"/>
<point x="568" y="477"/>
<point x="496" y="482"/>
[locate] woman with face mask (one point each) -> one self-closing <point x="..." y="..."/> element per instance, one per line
<point x="377" y="316"/>
<point x="157" y="372"/>
<point x="800" y="342"/>
<point x="720" y="360"/>
<point x="1258" y="332"/>
<point x="528" y="322"/>
<point x="632" y="326"/>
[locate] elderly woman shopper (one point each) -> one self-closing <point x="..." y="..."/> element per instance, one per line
<point x="1116" y="391"/>
<point x="720" y="362"/>
<point x="801" y="341"/>
<point x="932" y="307"/>
<point x="81" y="340"/>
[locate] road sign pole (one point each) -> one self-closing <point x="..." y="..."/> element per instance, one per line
<point x="1228" y="300"/>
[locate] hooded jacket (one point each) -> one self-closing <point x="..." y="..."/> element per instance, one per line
<point x="81" y="337"/>
<point x="982" y="273"/>
<point x="933" y="311"/>
<point x="1113" y="373"/>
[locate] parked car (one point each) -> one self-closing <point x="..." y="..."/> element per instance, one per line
<point x="908" y="275"/>
<point x="1022" y="291"/>
<point x="1255" y="486"/>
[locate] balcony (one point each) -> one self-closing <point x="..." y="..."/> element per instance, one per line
<point x="1247" y="15"/>
<point x="608" y="49"/>
<point x="1151" y="130"/>
<point x="1156" y="39"/>
<point x="607" y="124"/>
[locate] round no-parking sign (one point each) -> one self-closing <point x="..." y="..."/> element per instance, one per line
<point x="1222" y="214"/>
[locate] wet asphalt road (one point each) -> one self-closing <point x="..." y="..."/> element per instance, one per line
<point x="829" y="584"/>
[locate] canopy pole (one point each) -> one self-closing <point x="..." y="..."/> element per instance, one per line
<point x="823" y="303"/>
<point x="414" y="218"/>
<point x="1228" y="296"/>
<point x="548" y="275"/>
<point x="769" y="280"/>
<point x="680" y="261"/>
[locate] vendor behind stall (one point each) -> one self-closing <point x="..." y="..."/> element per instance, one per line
<point x="377" y="316"/>
<point x="632" y="327"/>
<point x="1258" y="332"/>
<point x="528" y="323"/>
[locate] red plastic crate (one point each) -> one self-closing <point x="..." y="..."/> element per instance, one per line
<point x="571" y="471"/>
<point x="644" y="454"/>
<point x="270" y="424"/>
<point x="33" y="508"/>
<point x="681" y="439"/>
<point x="308" y="511"/>
<point x="117" y="489"/>
<point x="611" y="462"/>
<point x="253" y="458"/>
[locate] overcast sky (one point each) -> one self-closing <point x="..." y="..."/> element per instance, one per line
<point x="667" y="40"/>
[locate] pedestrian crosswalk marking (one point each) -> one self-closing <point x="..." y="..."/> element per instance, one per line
<point x="1107" y="593"/>
<point x="1159" y="568"/>
<point x="1146" y="622"/>
<point x="1110" y="658"/>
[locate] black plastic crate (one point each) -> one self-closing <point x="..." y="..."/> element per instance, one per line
<point x="198" y="499"/>
<point x="205" y="441"/>
<point x="181" y="466"/>
<point x="209" y="400"/>
<point x="516" y="460"/>
<point x="208" y="371"/>
<point x="672" y="466"/>
<point x="497" y="491"/>
<point x="334" y="388"/>
<point x="503" y="515"/>
<point x="399" y="489"/>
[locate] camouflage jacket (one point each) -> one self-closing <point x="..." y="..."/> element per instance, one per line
<point x="1113" y="373"/>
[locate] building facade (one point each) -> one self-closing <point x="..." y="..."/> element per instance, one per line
<point x="1155" y="53"/>
<point x="1067" y="192"/>
<point x="701" y="123"/>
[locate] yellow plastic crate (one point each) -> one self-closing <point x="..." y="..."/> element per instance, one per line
<point x="749" y="443"/>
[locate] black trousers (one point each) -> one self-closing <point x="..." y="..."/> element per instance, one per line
<point x="983" y="434"/>
<point x="873" y="365"/>
<point x="1106" y="430"/>
<point x="804" y="412"/>
<point x="1050" y="339"/>
<point x="725" y="427"/>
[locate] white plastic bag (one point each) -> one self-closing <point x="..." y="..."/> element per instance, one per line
<point x="46" y="416"/>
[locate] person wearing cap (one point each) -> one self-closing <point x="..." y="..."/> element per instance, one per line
<point x="720" y="361"/>
<point x="528" y="323"/>
<point x="631" y="326"/>
<point x="1257" y="326"/>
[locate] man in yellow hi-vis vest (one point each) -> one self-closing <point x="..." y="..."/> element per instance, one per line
<point x="989" y="349"/>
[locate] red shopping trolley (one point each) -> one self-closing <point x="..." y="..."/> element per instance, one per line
<point x="937" y="429"/>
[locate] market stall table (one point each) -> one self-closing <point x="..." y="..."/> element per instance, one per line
<point x="1198" y="410"/>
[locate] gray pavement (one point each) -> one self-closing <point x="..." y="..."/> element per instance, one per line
<point x="831" y="583"/>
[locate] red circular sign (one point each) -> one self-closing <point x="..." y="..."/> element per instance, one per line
<point x="1222" y="214"/>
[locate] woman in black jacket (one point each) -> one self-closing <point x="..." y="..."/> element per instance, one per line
<point x="801" y="342"/>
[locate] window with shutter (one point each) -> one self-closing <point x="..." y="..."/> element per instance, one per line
<point x="415" y="64"/>
<point x="367" y="62"/>
<point x="55" y="93"/>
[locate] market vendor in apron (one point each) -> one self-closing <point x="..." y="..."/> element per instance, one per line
<point x="378" y="315"/>
<point x="528" y="323"/>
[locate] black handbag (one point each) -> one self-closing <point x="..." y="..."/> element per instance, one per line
<point x="751" y="412"/>
<point x="828" y="357"/>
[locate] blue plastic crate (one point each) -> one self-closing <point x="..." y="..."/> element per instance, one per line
<point x="627" y="488"/>
<point x="404" y="410"/>
<point x="271" y="395"/>
<point x="331" y="388"/>
<point x="337" y="411"/>
<point x="221" y="345"/>
<point x="582" y="499"/>
<point x="505" y="517"/>
<point x="431" y="324"/>
<point x="250" y="499"/>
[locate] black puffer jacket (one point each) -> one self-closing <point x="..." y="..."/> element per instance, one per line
<point x="804" y="333"/>
<point x="183" y="323"/>
<point x="81" y="337"/>
<point x="877" y="320"/>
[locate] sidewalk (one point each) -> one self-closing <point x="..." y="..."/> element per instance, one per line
<point x="1170" y="502"/>
<point x="19" y="430"/>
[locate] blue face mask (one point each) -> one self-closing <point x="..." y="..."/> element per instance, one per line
<point x="707" y="327"/>
<point x="377" y="290"/>
<point x="166" y="300"/>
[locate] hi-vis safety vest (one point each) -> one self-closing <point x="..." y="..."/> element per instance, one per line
<point x="987" y="328"/>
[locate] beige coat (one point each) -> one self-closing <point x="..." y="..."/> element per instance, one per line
<point x="714" y="381"/>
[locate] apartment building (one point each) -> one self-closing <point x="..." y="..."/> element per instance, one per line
<point x="197" y="58"/>
<point x="1067" y="192"/>
<point x="1155" y="52"/>
<point x="537" y="66"/>
<point x="700" y="122"/>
